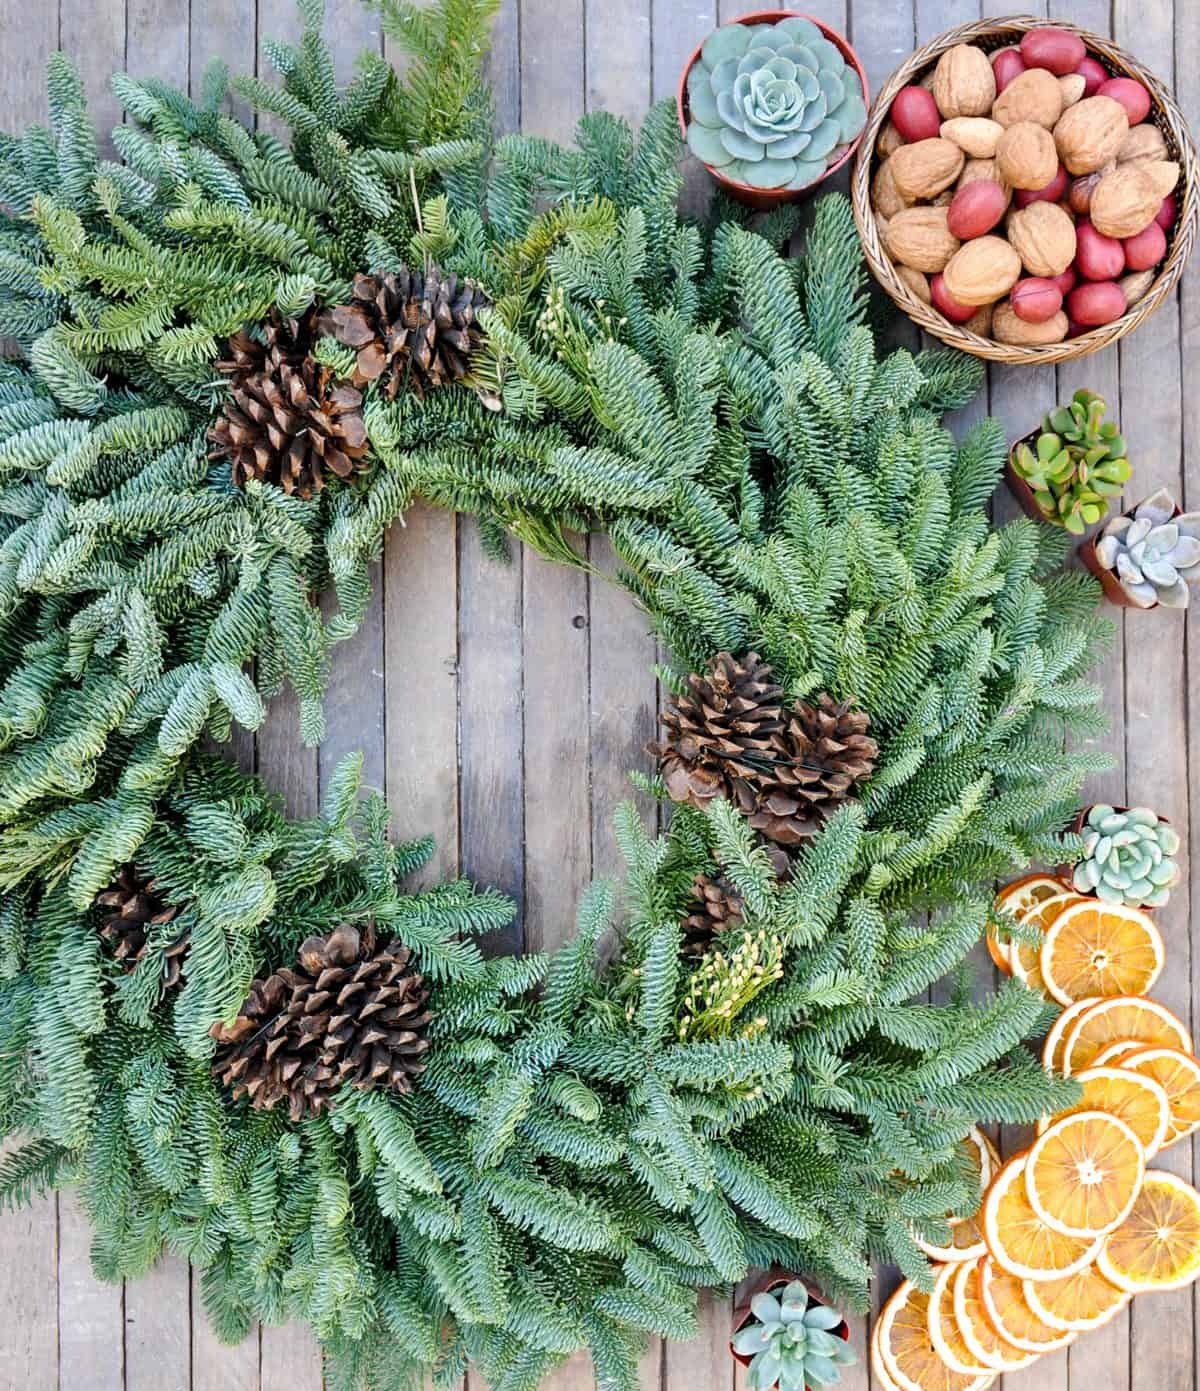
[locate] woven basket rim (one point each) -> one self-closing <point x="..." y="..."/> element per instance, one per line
<point x="1165" y="114"/>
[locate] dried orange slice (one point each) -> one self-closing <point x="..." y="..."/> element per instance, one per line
<point x="1003" y="1298"/>
<point x="1124" y="1018"/>
<point x="1136" y="1099"/>
<point x="1080" y="1302"/>
<point x="1178" y="1074"/>
<point x="1083" y="1174"/>
<point x="1095" y="948"/>
<point x="880" y="1376"/>
<point x="1014" y="899"/>
<point x="944" y="1332"/>
<point x="982" y="1340"/>
<point x="1052" y="1048"/>
<point x="966" y="1240"/>
<point x="1112" y="1055"/>
<point x="1026" y="960"/>
<point x="1017" y="1238"/>
<point x="905" y="1350"/>
<point x="1157" y="1247"/>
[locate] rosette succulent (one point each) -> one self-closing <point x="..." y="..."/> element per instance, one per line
<point x="1128" y="857"/>
<point x="1154" y="554"/>
<point x="1076" y="464"/>
<point x="791" y="1342"/>
<point x="772" y="105"/>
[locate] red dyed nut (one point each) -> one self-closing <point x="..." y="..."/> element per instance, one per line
<point x="1035" y="300"/>
<point x="1056" y="49"/>
<point x="1098" y="303"/>
<point x="1066" y="281"/>
<point x="1094" y="75"/>
<point x="1166" y="215"/>
<point x="1052" y="193"/>
<point x="1132" y="96"/>
<point x="1005" y="66"/>
<point x="975" y="209"/>
<point x="1097" y="257"/>
<point x="945" y="303"/>
<point x="1145" y="249"/>
<point x="915" y="114"/>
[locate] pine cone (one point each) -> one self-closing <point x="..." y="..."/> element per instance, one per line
<point x="815" y="763"/>
<point x="719" y="905"/>
<point x="411" y="331"/>
<point x="721" y="729"/>
<point x="136" y="908"/>
<point x="346" y="1013"/>
<point x="287" y="421"/>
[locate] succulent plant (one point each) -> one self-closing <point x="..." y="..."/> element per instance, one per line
<point x="1077" y="463"/>
<point x="772" y="105"/>
<point x="791" y="1342"/>
<point x="1154" y="553"/>
<point x="1128" y="857"/>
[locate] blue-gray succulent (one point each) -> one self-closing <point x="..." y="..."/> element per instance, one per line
<point x="1128" y="857"/>
<point x="1154" y="554"/>
<point x="772" y="105"/>
<point x="791" y="1342"/>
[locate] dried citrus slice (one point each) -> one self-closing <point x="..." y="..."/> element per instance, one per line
<point x="905" y="1350"/>
<point x="1077" y="1303"/>
<point x="1003" y="1299"/>
<point x="1013" y="900"/>
<point x="1157" y="1247"/>
<point x="1124" y="1018"/>
<point x="1135" y="1098"/>
<point x="944" y="1332"/>
<point x="880" y="1376"/>
<point x="1083" y="1174"/>
<point x="1026" y="961"/>
<point x="1052" y="1048"/>
<point x="966" y="1240"/>
<point x="1095" y="948"/>
<point x="982" y="1340"/>
<point x="1017" y="1238"/>
<point x="1178" y="1074"/>
<point x="1112" y="1055"/>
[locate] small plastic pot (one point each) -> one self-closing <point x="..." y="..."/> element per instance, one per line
<point x="1021" y="490"/>
<point x="763" y="199"/>
<point x="768" y="1283"/>
<point x="1114" y="590"/>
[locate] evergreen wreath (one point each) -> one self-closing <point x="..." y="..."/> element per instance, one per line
<point x="496" y="1160"/>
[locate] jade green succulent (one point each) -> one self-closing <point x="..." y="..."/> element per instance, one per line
<point x="1154" y="552"/>
<point x="791" y="1342"/>
<point x="1077" y="463"/>
<point x="772" y="105"/>
<point x="1128" y="857"/>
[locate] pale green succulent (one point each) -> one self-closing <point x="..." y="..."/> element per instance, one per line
<point x="1154" y="553"/>
<point x="791" y="1342"/>
<point x="1077" y="464"/>
<point x="1128" y="857"/>
<point x="772" y="105"/>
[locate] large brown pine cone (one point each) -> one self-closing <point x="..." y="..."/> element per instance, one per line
<point x="135" y="908"/>
<point x="412" y="331"/>
<point x="287" y="420"/>
<point x="347" y="1013"/>
<point x="819" y="757"/>
<point x="719" y="729"/>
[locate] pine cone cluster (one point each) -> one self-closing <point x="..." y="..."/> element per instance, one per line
<point x="135" y="907"/>
<point x="287" y="420"/>
<point x="349" y="1012"/>
<point x="412" y="332"/>
<point x="730" y="735"/>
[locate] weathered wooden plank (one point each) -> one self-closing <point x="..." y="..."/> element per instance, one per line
<point x="217" y="1366"/>
<point x="93" y="37"/>
<point x="90" y="1344"/>
<point x="158" y="1336"/>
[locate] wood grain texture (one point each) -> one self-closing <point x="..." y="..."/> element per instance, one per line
<point x="501" y="706"/>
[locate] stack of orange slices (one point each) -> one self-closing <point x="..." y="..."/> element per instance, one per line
<point x="1073" y="1227"/>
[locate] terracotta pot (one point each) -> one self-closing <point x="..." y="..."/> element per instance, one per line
<point x="1021" y="490"/>
<point x="1114" y="591"/>
<point x="1067" y="871"/>
<point x="773" y="1279"/>
<point x="764" y="199"/>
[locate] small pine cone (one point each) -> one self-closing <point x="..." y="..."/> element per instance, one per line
<point x="287" y="421"/>
<point x="817" y="761"/>
<point x="719" y="905"/>
<point x="720" y="729"/>
<point x="135" y="908"/>
<point x="346" y="1013"/>
<point x="412" y="331"/>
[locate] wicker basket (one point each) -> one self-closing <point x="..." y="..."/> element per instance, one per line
<point x="990" y="34"/>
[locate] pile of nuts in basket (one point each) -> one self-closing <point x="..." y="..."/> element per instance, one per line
<point x="1023" y="193"/>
